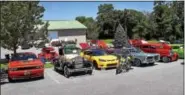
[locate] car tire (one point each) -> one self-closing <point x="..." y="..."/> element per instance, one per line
<point x="66" y="72"/>
<point x="10" y="79"/>
<point x="90" y="72"/>
<point x="55" y="68"/>
<point x="95" y="65"/>
<point x="137" y="62"/>
<point x="151" y="63"/>
<point x="165" y="59"/>
<point x="42" y="77"/>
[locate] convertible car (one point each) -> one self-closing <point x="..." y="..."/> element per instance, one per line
<point x="100" y="58"/>
<point x="24" y="66"/>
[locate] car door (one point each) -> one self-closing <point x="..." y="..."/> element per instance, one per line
<point x="145" y="48"/>
<point x="152" y="49"/>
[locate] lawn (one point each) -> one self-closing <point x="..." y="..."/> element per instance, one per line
<point x="3" y="66"/>
<point x="48" y="65"/>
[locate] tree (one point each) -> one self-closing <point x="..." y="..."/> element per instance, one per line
<point x="18" y="21"/>
<point x="120" y="38"/>
<point x="92" y="28"/>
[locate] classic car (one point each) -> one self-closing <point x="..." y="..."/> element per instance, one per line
<point x="100" y="58"/>
<point x="165" y="50"/>
<point x="70" y="61"/>
<point x="47" y="54"/>
<point x="24" y="66"/>
<point x="179" y="48"/>
<point x="139" y="57"/>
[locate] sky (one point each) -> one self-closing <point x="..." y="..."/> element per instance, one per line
<point x="70" y="10"/>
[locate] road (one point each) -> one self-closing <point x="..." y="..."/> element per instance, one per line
<point x="160" y="79"/>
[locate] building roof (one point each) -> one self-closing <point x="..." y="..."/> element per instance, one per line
<point x="65" y="24"/>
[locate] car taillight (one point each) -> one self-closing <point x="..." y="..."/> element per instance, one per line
<point x="12" y="69"/>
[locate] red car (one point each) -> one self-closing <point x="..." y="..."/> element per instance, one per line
<point x="48" y="53"/>
<point x="165" y="51"/>
<point x="24" y="66"/>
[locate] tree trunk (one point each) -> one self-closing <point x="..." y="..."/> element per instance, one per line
<point x="14" y="49"/>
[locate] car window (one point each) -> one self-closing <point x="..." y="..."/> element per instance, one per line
<point x="71" y="51"/>
<point x="98" y="53"/>
<point x="23" y="57"/>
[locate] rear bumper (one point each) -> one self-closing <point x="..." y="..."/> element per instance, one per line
<point x="80" y="69"/>
<point x="26" y="74"/>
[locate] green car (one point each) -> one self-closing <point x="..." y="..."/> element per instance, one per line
<point x="179" y="48"/>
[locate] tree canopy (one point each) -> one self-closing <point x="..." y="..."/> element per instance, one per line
<point x="166" y="21"/>
<point x="19" y="22"/>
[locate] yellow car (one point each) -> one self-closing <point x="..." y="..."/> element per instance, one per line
<point x="100" y="59"/>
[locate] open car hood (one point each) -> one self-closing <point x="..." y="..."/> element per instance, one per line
<point x="84" y="46"/>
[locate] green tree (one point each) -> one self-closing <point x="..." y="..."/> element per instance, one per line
<point x="18" y="21"/>
<point x="92" y="28"/>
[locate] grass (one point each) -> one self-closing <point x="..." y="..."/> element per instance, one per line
<point x="108" y="41"/>
<point x="3" y="66"/>
<point x="48" y="65"/>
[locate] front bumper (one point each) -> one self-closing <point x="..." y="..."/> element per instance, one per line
<point x="80" y="69"/>
<point x="104" y="65"/>
<point x="26" y="74"/>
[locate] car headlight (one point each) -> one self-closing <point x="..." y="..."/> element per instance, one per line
<point x="102" y="60"/>
<point x="12" y="69"/>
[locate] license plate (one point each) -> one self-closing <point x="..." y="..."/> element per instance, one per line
<point x="79" y="65"/>
<point x="26" y="73"/>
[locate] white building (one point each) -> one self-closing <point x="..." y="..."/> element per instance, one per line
<point x="70" y="29"/>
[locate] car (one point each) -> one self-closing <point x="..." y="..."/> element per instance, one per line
<point x="70" y="61"/>
<point x="47" y="54"/>
<point x="139" y="57"/>
<point x="25" y="65"/>
<point x="179" y="48"/>
<point x="165" y="50"/>
<point x="100" y="59"/>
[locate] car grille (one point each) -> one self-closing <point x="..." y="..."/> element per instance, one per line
<point x="111" y="65"/>
<point x="149" y="58"/>
<point x="111" y="60"/>
<point x="27" y="68"/>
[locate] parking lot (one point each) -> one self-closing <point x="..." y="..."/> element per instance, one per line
<point x="159" y="79"/>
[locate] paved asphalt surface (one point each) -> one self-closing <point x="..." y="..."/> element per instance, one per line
<point x="160" y="79"/>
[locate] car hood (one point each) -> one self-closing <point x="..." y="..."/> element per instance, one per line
<point x="25" y="63"/>
<point x="144" y="54"/>
<point x="106" y="57"/>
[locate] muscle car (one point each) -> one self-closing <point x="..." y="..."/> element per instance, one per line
<point x="24" y="66"/>
<point x="139" y="57"/>
<point x="100" y="58"/>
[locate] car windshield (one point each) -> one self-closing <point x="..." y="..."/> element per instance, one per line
<point x="99" y="53"/>
<point x="71" y="51"/>
<point x="23" y="57"/>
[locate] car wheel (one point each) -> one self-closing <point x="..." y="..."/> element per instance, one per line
<point x="151" y="63"/>
<point x="55" y="68"/>
<point x="10" y="80"/>
<point x="66" y="72"/>
<point x="137" y="62"/>
<point x="165" y="59"/>
<point x="95" y="65"/>
<point x="90" y="72"/>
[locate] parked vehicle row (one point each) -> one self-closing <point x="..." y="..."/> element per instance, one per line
<point x="72" y="59"/>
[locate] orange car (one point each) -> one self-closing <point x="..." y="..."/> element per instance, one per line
<point x="24" y="66"/>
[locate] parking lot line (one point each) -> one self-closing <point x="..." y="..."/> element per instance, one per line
<point x="52" y="77"/>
